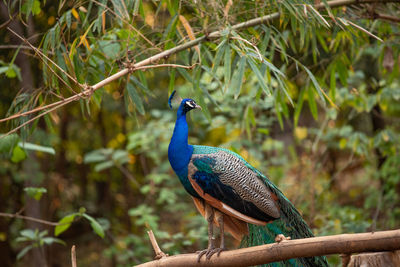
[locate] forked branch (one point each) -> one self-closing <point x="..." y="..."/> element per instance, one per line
<point x="298" y="248"/>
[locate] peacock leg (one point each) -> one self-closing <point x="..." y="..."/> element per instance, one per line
<point x="209" y="214"/>
<point x="220" y="220"/>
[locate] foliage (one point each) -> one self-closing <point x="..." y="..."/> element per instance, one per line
<point x="309" y="98"/>
<point x="36" y="239"/>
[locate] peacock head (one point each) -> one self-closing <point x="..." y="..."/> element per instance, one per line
<point x="186" y="104"/>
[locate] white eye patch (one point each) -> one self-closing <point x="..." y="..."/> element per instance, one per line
<point x="190" y="104"/>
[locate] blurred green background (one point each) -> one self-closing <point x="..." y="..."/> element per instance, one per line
<point x="319" y="114"/>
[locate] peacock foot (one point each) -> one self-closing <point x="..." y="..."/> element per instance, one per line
<point x="209" y="252"/>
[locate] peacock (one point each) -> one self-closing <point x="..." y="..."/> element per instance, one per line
<point x="233" y="195"/>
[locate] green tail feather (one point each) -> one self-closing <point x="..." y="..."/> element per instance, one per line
<point x="290" y="224"/>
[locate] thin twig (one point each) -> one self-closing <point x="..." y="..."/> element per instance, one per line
<point x="157" y="250"/>
<point x="18" y="216"/>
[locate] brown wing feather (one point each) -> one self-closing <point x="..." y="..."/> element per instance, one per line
<point x="219" y="205"/>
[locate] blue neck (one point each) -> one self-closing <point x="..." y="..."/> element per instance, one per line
<point x="179" y="151"/>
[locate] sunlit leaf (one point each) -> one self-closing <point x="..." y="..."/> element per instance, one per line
<point x="64" y="224"/>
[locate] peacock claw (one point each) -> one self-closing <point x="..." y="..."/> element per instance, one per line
<point x="202" y="252"/>
<point x="209" y="252"/>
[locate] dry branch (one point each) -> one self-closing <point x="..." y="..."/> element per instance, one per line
<point x="308" y="247"/>
<point x="157" y="250"/>
<point x="73" y="256"/>
<point x="88" y="91"/>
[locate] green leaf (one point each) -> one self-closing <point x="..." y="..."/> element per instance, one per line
<point x="35" y="192"/>
<point x="316" y="84"/>
<point x="278" y="112"/>
<point x="24" y="251"/>
<point x="29" y="234"/>
<point x="64" y="224"/>
<point x="170" y="32"/>
<point x="134" y="96"/>
<point x="27" y="8"/>
<point x="36" y="8"/>
<point x="7" y="143"/>
<point x="237" y="79"/>
<point x="95" y="225"/>
<point x="259" y="76"/>
<point x="104" y="165"/>
<point x="333" y="83"/>
<point x="136" y="7"/>
<point x="34" y="147"/>
<point x="18" y="154"/>
<point x="218" y="56"/>
<point x="185" y="75"/>
<point x="97" y="155"/>
<point x="227" y="66"/>
<point x="299" y="106"/>
<point x="50" y="240"/>
<point x="312" y="104"/>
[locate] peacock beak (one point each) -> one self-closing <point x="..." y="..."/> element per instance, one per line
<point x="197" y="106"/>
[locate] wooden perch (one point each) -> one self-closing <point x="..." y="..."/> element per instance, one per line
<point x="308" y="247"/>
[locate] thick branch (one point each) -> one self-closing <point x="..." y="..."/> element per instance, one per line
<point x="308" y="247"/>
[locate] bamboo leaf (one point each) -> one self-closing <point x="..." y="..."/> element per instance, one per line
<point x="136" y="7"/>
<point x="299" y="106"/>
<point x="135" y="98"/>
<point x="315" y="83"/>
<point x="312" y="104"/>
<point x="237" y="79"/>
<point x="227" y="66"/>
<point x="218" y="56"/>
<point x="333" y="83"/>
<point x="185" y="75"/>
<point x="260" y="78"/>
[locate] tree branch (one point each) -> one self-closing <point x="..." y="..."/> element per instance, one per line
<point x="166" y="54"/>
<point x="18" y="216"/>
<point x="298" y="248"/>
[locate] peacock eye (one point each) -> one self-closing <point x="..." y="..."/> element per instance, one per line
<point x="190" y="104"/>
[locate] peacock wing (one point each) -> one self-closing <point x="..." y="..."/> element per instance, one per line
<point x="226" y="182"/>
